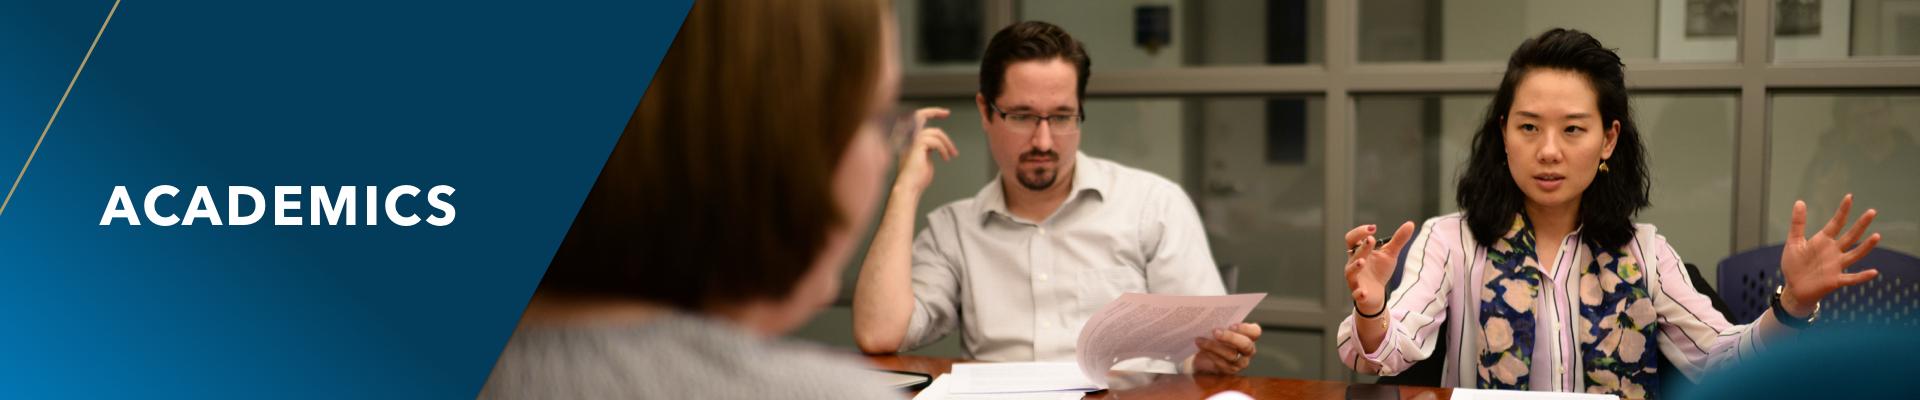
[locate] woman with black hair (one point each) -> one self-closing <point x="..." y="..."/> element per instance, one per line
<point x="1550" y="284"/>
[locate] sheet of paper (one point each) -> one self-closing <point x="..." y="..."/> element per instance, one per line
<point x="1155" y="326"/>
<point x="1010" y="377"/>
<point x="1479" y="394"/>
<point x="941" y="389"/>
<point x="895" y="380"/>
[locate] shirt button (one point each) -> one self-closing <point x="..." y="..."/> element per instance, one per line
<point x="1043" y="231"/>
<point x="1042" y="277"/>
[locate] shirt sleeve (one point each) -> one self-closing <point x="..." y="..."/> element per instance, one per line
<point x="1694" y="335"/>
<point x="936" y="286"/>
<point x="1179" y="261"/>
<point x="1416" y="308"/>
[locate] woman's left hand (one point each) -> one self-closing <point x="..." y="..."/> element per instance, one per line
<point x="1815" y="266"/>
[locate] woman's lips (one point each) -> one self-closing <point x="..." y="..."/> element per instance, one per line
<point x="1549" y="181"/>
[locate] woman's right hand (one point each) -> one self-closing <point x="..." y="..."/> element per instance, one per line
<point x="1370" y="266"/>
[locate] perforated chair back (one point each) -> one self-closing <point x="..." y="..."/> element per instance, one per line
<point x="1747" y="281"/>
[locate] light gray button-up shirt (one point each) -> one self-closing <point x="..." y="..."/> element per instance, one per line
<point x="1019" y="290"/>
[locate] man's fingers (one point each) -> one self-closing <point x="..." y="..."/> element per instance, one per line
<point x="1797" y="227"/>
<point x="1834" y="224"/>
<point x="951" y="149"/>
<point x="1858" y="277"/>
<point x="1400" y="238"/>
<point x="1203" y="363"/>
<point x="1214" y="349"/>
<point x="1250" y="330"/>
<point x="937" y="141"/>
<point x="1859" y="228"/>
<point x="1221" y="357"/>
<point x="921" y="116"/>
<point x="1238" y="342"/>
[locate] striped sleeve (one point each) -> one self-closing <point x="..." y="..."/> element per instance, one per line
<point x="1416" y="307"/>
<point x="1694" y="335"/>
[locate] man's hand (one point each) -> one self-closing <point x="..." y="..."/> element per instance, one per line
<point x="1228" y="351"/>
<point x="916" y="170"/>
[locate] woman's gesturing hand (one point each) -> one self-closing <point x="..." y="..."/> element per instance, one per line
<point x="1369" y="265"/>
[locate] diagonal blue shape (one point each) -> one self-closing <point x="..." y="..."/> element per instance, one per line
<point x="516" y="105"/>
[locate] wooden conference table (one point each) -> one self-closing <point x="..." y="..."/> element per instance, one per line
<point x="1183" y="386"/>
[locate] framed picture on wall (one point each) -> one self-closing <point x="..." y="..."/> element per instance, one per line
<point x="1709" y="30"/>
<point x="1812" y="29"/>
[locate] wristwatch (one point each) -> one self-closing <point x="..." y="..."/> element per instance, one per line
<point x="1780" y="312"/>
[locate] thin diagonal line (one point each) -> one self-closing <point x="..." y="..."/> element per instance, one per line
<point x="56" y="107"/>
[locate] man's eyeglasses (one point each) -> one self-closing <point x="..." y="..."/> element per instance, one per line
<point x="1027" y="123"/>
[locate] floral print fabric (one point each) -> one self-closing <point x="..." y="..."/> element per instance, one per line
<point x="1615" y="328"/>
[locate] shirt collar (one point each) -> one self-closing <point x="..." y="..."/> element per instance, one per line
<point x="1089" y="175"/>
<point x="1522" y="220"/>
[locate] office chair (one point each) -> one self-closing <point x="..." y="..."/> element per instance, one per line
<point x="1891" y="299"/>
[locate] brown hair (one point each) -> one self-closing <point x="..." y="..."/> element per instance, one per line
<point x="719" y="191"/>
<point x="1031" y="41"/>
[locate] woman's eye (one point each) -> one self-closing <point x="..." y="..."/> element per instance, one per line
<point x="1574" y="129"/>
<point x="1526" y="127"/>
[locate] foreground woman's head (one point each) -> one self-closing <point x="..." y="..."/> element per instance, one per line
<point x="753" y="160"/>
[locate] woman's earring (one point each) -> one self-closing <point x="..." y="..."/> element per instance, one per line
<point x="1603" y="166"/>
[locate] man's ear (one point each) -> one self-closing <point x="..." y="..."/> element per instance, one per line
<point x="980" y="102"/>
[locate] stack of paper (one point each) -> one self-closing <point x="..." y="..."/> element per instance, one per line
<point x="1156" y="327"/>
<point x="1478" y="394"/>
<point x="1134" y="326"/>
<point x="1010" y="381"/>
<point x="1014" y="377"/>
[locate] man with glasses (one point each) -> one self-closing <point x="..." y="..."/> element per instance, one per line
<point x="1019" y="267"/>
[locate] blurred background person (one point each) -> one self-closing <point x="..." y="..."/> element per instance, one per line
<point x="724" y="216"/>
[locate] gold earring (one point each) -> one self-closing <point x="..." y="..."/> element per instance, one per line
<point x="1603" y="166"/>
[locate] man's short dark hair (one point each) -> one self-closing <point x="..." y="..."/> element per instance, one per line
<point x="1031" y="41"/>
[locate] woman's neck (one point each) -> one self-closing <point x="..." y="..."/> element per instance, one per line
<point x="1553" y="222"/>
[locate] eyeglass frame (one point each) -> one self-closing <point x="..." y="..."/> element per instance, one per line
<point x="1078" y="117"/>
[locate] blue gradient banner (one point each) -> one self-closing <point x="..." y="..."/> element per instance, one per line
<point x="513" y="105"/>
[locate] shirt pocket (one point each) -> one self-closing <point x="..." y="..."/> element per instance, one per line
<point x="1108" y="283"/>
